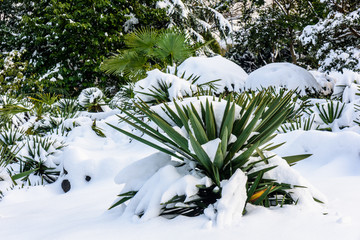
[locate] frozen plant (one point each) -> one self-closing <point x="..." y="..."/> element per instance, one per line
<point x="214" y="159"/>
<point x="92" y="99"/>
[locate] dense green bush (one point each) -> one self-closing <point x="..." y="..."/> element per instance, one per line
<point x="66" y="41"/>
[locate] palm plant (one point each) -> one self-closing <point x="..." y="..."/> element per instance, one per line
<point x="92" y="99"/>
<point x="147" y="49"/>
<point x="240" y="138"/>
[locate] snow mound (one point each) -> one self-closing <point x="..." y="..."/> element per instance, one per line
<point x="230" y="75"/>
<point x="345" y="80"/>
<point x="326" y="82"/>
<point x="176" y="87"/>
<point x="283" y="75"/>
<point x="90" y="95"/>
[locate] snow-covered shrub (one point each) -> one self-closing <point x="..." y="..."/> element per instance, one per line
<point x="214" y="159"/>
<point x="283" y="75"/>
<point x="36" y="163"/>
<point x="123" y="98"/>
<point x="12" y="74"/>
<point x="326" y="82"/>
<point x="202" y="20"/>
<point x="163" y="87"/>
<point x="92" y="99"/>
<point x="335" y="39"/>
<point x="230" y="76"/>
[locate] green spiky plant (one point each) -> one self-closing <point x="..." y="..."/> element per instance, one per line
<point x="147" y="49"/>
<point x="35" y="164"/>
<point x="160" y="93"/>
<point x="331" y="112"/>
<point x="242" y="136"/>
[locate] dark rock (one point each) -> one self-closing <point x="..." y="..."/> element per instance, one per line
<point x="65" y="185"/>
<point x="88" y="178"/>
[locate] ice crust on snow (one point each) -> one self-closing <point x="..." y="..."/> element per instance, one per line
<point x="283" y="75"/>
<point x="230" y="75"/>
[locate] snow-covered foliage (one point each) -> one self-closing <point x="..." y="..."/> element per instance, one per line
<point x="157" y="82"/>
<point x="63" y="142"/>
<point x="92" y="99"/>
<point x="336" y="38"/>
<point x="199" y="182"/>
<point x="283" y="75"/>
<point x="228" y="76"/>
<point x="195" y="74"/>
<point x="198" y="18"/>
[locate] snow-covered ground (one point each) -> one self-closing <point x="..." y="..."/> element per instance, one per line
<point x="46" y="212"/>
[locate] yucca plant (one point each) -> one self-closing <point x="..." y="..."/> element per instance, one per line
<point x="331" y="112"/>
<point x="159" y="91"/>
<point x="8" y="154"/>
<point x="36" y="161"/>
<point x="298" y="124"/>
<point x="238" y="140"/>
<point x="65" y="108"/>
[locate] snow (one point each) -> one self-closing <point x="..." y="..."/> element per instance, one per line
<point x="283" y="75"/>
<point x="230" y="75"/>
<point x="177" y="87"/>
<point x="117" y="164"/>
<point x="233" y="199"/>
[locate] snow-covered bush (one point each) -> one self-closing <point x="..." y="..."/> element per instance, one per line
<point x="92" y="99"/>
<point x="195" y="76"/>
<point x="123" y="98"/>
<point x="163" y="87"/>
<point x="335" y="39"/>
<point x="228" y="76"/>
<point x="12" y="74"/>
<point x="214" y="158"/>
<point x="202" y="20"/>
<point x="283" y="75"/>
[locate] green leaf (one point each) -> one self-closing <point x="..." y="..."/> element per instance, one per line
<point x="210" y="121"/>
<point x="183" y="117"/>
<point x="23" y="174"/>
<point x="228" y="121"/>
<point x="198" y="128"/>
<point x="164" y="150"/>
<point x="201" y="155"/>
<point x="126" y="196"/>
<point x="240" y="160"/>
<point x="254" y="186"/>
<point x="296" y="158"/>
<point x="219" y="157"/>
